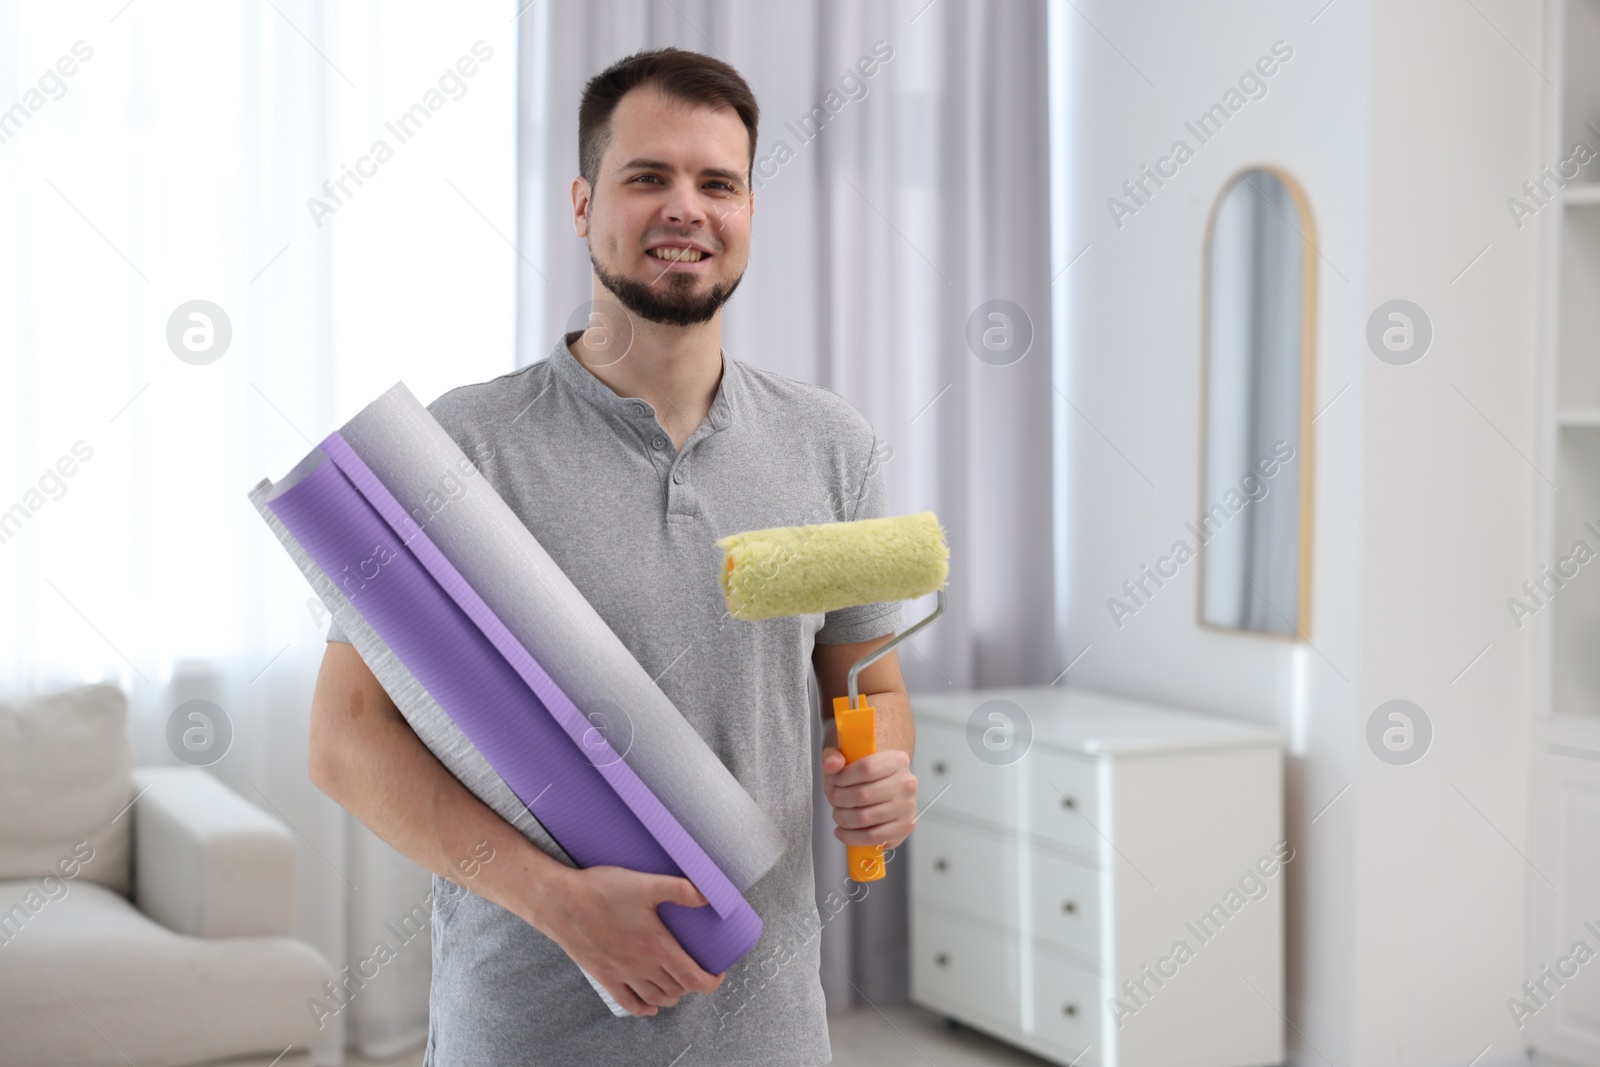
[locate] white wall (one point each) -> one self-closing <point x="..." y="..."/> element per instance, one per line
<point x="1407" y="125"/>
<point x="1449" y="530"/>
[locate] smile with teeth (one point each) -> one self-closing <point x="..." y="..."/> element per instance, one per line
<point x="679" y="255"/>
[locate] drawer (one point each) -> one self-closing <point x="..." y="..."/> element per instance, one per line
<point x="980" y="874"/>
<point x="1063" y="805"/>
<point x="1065" y="903"/>
<point x="965" y="870"/>
<point x="977" y="790"/>
<point x="959" y="967"/>
<point x="1068" y="1009"/>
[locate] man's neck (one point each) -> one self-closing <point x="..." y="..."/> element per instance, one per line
<point x="676" y="368"/>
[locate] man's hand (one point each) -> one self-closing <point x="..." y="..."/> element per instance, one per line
<point x="874" y="799"/>
<point x="605" y="919"/>
<point x="366" y="757"/>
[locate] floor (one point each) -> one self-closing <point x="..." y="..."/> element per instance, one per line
<point x="899" y="1036"/>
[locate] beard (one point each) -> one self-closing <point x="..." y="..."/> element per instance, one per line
<point x="674" y="303"/>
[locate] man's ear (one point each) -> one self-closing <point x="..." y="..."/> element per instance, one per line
<point x="580" y="205"/>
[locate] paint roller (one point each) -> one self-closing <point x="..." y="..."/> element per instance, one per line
<point x="798" y="570"/>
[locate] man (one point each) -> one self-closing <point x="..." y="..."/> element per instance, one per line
<point x="628" y="452"/>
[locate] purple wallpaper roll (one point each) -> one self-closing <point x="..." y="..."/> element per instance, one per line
<point x="579" y="789"/>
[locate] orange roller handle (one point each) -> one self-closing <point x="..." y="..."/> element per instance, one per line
<point x="858" y="736"/>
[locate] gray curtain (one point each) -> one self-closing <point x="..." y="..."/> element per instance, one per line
<point x="900" y="257"/>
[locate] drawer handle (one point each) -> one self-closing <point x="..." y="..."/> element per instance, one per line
<point x="1068" y="803"/>
<point x="1069" y="1009"/>
<point x="1069" y="906"/>
<point x="941" y="864"/>
<point x="942" y="959"/>
<point x="938" y="766"/>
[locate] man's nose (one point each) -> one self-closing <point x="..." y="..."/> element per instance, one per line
<point x="684" y="206"/>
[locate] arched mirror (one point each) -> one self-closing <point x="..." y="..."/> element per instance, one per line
<point x="1254" y="528"/>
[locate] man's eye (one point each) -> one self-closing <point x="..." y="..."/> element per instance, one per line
<point x="652" y="176"/>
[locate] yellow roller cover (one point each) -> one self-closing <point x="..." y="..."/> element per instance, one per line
<point x="797" y="570"/>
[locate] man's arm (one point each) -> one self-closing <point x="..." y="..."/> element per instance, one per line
<point x="874" y="799"/>
<point x="366" y="757"/>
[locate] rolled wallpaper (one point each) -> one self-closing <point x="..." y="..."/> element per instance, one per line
<point x="421" y="712"/>
<point x="415" y="459"/>
<point x="489" y="651"/>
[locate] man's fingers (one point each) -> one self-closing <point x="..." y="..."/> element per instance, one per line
<point x="668" y="983"/>
<point x="863" y="808"/>
<point x="671" y="887"/>
<point x="872" y="766"/>
<point x="631" y="1002"/>
<point x="887" y="835"/>
<point x="882" y="791"/>
<point x="690" y="975"/>
<point x="849" y="818"/>
<point x="654" y="994"/>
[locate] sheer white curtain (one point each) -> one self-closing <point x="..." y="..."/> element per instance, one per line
<point x="883" y="230"/>
<point x="179" y="161"/>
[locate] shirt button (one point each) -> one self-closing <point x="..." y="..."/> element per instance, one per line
<point x="639" y="409"/>
<point x="660" y="442"/>
<point x="677" y="476"/>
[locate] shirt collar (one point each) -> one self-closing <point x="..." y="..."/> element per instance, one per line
<point x="579" y="377"/>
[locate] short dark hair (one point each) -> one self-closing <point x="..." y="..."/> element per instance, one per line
<point x="679" y="74"/>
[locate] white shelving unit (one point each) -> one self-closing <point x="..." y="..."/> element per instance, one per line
<point x="1564" y="810"/>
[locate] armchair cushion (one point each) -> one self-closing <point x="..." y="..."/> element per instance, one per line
<point x="65" y="780"/>
<point x="89" y="981"/>
<point x="207" y="862"/>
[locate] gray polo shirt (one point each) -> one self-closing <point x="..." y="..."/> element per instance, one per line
<point x="633" y="523"/>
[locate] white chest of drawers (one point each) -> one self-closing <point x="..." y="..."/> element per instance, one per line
<point x="1113" y="897"/>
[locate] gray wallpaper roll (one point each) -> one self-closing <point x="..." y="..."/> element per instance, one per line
<point x="412" y="455"/>
<point x="422" y="713"/>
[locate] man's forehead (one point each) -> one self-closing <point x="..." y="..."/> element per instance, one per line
<point x="651" y="135"/>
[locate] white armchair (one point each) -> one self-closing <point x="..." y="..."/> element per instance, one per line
<point x="199" y="967"/>
<point x="207" y="862"/>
